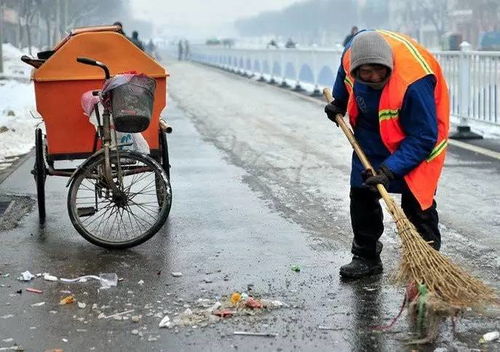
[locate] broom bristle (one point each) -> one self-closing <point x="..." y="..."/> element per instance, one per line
<point x="423" y="264"/>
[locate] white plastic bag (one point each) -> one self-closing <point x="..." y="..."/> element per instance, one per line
<point x="139" y="143"/>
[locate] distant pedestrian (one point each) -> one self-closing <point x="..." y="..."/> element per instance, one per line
<point x="119" y="24"/>
<point x="290" y="44"/>
<point x="135" y="39"/>
<point x="349" y="37"/>
<point x="180" y="50"/>
<point x="272" y="43"/>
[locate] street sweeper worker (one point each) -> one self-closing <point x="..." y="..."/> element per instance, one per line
<point x="395" y="95"/>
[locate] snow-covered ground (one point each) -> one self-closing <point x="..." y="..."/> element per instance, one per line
<point x="17" y="105"/>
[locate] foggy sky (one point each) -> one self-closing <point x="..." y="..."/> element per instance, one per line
<point x="200" y="18"/>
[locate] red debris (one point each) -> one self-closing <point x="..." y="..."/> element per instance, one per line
<point x="253" y="303"/>
<point x="34" y="290"/>
<point x="223" y="313"/>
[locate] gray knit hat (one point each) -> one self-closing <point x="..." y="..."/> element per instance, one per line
<point x="370" y="48"/>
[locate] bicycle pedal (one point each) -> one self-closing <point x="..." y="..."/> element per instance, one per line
<point x="86" y="211"/>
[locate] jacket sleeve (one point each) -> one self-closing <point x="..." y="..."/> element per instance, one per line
<point x="340" y="92"/>
<point x="419" y="122"/>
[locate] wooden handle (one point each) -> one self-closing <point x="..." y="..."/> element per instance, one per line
<point x="357" y="148"/>
<point x="165" y="127"/>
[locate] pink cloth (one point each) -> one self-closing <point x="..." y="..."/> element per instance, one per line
<point x="88" y="102"/>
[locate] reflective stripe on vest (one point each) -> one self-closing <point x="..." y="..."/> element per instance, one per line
<point x="387" y="114"/>
<point x="438" y="149"/>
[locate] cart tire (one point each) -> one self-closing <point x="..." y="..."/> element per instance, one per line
<point x="40" y="173"/>
<point x="101" y="220"/>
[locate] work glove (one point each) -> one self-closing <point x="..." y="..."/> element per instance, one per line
<point x="384" y="177"/>
<point x="334" y="108"/>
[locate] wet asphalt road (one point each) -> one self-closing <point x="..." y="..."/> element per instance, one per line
<point x="241" y="217"/>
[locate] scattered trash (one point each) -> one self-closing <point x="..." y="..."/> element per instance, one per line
<point x="141" y="282"/>
<point x="253" y="303"/>
<point x="107" y="279"/>
<point x="38" y="304"/>
<point x="12" y="348"/>
<point x="176" y="274"/>
<point x="64" y="340"/>
<point x="135" y="332"/>
<point x="136" y="318"/>
<point x="102" y="315"/>
<point x="295" y="268"/>
<point x="215" y="306"/>
<point x="248" y="333"/>
<point x="67" y="300"/>
<point x="7" y="316"/>
<point x="48" y="277"/>
<point x="440" y="349"/>
<point x="26" y="276"/>
<point x="235" y="297"/>
<point x="81" y="305"/>
<point x="34" y="290"/>
<point x="369" y="289"/>
<point x="490" y="336"/>
<point x="223" y="313"/>
<point x="165" y="322"/>
<point x="204" y="312"/>
<point x="322" y="327"/>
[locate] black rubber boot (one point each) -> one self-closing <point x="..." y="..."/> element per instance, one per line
<point x="360" y="267"/>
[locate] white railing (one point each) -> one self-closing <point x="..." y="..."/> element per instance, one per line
<point x="473" y="77"/>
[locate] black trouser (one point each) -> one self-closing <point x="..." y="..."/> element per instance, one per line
<point x="367" y="221"/>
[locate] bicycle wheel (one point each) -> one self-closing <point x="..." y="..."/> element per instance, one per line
<point x="40" y="173"/>
<point x="128" y="218"/>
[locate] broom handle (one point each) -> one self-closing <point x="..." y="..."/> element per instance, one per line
<point x="357" y="148"/>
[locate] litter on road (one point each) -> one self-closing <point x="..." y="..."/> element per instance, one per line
<point x="26" y="276"/>
<point x="107" y="280"/>
<point x="38" y="304"/>
<point x="48" y="277"/>
<point x="67" y="300"/>
<point x="237" y="304"/>
<point x="117" y="314"/>
<point x="490" y="336"/>
<point x="248" y="333"/>
<point x="322" y="327"/>
<point x="34" y="290"/>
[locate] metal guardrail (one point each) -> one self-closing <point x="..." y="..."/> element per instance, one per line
<point x="473" y="77"/>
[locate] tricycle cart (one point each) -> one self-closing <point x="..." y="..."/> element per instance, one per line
<point x="117" y="197"/>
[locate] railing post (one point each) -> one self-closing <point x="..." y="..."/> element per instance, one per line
<point x="316" y="92"/>
<point x="463" y="128"/>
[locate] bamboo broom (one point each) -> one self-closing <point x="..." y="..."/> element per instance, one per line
<point x="447" y="282"/>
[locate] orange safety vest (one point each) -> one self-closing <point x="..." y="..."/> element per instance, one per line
<point x="411" y="63"/>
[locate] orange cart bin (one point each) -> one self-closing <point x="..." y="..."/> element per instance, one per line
<point x="60" y="82"/>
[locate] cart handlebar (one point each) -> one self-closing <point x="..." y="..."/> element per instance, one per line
<point x="92" y="62"/>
